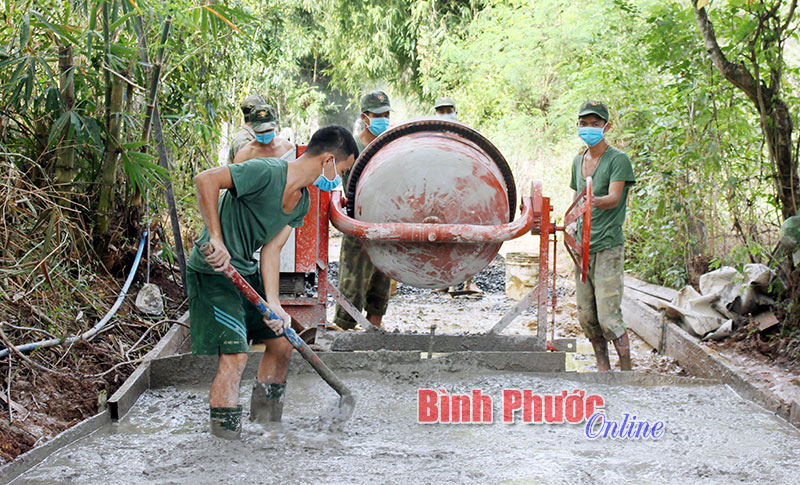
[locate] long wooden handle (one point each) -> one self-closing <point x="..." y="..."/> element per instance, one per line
<point x="298" y="343"/>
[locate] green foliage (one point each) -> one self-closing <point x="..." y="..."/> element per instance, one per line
<point x="518" y="70"/>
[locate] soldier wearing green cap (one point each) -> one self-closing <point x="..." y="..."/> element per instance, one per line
<point x="245" y="133"/>
<point x="264" y="199"/>
<point x="600" y="297"/>
<point x="445" y="107"/>
<point x="266" y="144"/>
<point x="359" y="280"/>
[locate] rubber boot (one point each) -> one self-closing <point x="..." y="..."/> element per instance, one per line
<point x="266" y="402"/>
<point x="600" y="347"/>
<point x="226" y="423"/>
<point x="623" y="346"/>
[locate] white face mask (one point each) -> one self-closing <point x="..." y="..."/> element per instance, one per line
<point x="452" y="116"/>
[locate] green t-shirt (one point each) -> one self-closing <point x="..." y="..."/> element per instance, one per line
<point x="613" y="166"/>
<point x="251" y="213"/>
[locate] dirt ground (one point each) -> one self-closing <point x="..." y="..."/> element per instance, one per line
<point x="64" y="386"/>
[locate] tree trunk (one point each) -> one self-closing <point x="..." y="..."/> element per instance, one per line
<point x="163" y="160"/>
<point x="776" y="121"/>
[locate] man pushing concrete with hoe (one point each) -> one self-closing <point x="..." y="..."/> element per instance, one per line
<point x="264" y="200"/>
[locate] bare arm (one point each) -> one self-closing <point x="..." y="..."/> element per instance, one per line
<point x="611" y="200"/>
<point x="270" y="273"/>
<point x="209" y="183"/>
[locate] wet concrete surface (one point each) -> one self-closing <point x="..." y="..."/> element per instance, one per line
<point x="711" y="436"/>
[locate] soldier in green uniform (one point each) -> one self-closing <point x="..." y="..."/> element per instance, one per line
<point x="264" y="200"/>
<point x="266" y="144"/>
<point x="600" y="298"/>
<point x="359" y="280"/>
<point x="790" y="237"/>
<point x="245" y="134"/>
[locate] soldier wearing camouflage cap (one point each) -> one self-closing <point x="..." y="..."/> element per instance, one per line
<point x="359" y="280"/>
<point x="600" y="297"/>
<point x="245" y="133"/>
<point x="266" y="144"/>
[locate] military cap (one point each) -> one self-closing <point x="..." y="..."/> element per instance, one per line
<point x="444" y="101"/>
<point x="263" y="119"/>
<point x="375" y="102"/>
<point x="594" y="108"/>
<point x="251" y="102"/>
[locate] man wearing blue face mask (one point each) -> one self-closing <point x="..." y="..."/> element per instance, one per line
<point x="359" y="280"/>
<point x="600" y="298"/>
<point x="266" y="143"/>
<point x="245" y="133"/>
<point x="264" y="200"/>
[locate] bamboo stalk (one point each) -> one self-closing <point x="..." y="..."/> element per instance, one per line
<point x="163" y="160"/>
<point x="154" y="80"/>
<point x="109" y="170"/>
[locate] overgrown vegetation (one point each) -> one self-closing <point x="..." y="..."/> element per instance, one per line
<point x="83" y="84"/>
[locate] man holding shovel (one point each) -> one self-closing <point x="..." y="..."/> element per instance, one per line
<point x="265" y="198"/>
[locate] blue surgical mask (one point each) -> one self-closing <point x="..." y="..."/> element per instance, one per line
<point x="323" y="183"/>
<point x="378" y="125"/>
<point x="590" y="134"/>
<point x="266" y="138"/>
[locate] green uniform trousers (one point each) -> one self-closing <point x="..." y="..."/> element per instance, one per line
<point x="600" y="298"/>
<point x="361" y="283"/>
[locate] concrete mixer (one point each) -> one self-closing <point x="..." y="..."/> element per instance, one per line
<point x="432" y="200"/>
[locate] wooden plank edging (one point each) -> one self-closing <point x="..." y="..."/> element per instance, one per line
<point x="696" y="358"/>
<point x="173" y="342"/>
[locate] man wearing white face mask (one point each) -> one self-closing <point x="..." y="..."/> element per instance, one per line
<point x="445" y="107"/>
<point x="359" y="280"/>
<point x="266" y="143"/>
<point x="600" y="298"/>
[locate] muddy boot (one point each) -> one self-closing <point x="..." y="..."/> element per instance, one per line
<point x="623" y="346"/>
<point x="226" y="423"/>
<point x="266" y="402"/>
<point x="600" y="347"/>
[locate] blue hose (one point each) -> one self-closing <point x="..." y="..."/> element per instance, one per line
<point x="92" y="332"/>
